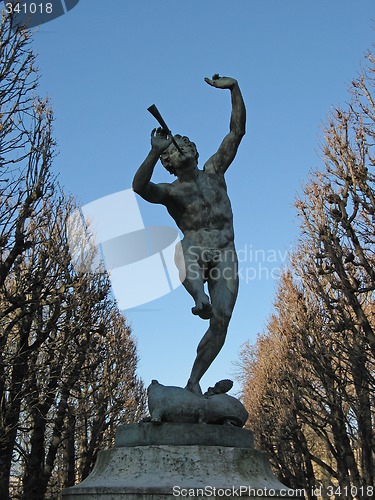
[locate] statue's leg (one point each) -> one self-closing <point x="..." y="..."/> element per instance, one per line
<point x="191" y="276"/>
<point x="223" y="288"/>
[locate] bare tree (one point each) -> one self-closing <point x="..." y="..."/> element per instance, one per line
<point x="316" y="358"/>
<point x="26" y="152"/>
<point x="67" y="358"/>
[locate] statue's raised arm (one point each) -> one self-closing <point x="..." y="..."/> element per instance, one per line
<point x="154" y="193"/>
<point x="224" y="156"/>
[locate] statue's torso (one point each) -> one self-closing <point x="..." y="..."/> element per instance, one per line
<point x="202" y="210"/>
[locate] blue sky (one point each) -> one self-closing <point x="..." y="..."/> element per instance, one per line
<point x="104" y="63"/>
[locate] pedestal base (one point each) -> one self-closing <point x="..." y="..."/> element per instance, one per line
<point x="165" y="471"/>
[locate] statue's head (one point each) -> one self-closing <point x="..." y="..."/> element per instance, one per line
<point x="188" y="147"/>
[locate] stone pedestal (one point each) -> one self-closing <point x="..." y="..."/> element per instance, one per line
<point x="203" y="461"/>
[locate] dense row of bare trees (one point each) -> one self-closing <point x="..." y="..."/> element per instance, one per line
<point x="309" y="381"/>
<point x="67" y="357"/>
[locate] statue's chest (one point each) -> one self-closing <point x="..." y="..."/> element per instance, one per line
<point x="206" y="189"/>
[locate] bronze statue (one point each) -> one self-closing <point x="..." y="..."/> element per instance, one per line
<point x="198" y="202"/>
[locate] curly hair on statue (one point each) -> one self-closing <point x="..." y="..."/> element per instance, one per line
<point x="165" y="157"/>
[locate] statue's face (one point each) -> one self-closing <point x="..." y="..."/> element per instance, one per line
<point x="171" y="158"/>
<point x="188" y="149"/>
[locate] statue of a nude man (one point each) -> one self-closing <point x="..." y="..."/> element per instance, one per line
<point x="198" y="202"/>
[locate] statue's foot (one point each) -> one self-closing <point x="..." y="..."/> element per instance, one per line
<point x="203" y="309"/>
<point x="195" y="388"/>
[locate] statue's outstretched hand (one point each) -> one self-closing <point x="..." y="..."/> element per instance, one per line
<point x="221" y="82"/>
<point x="160" y="140"/>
